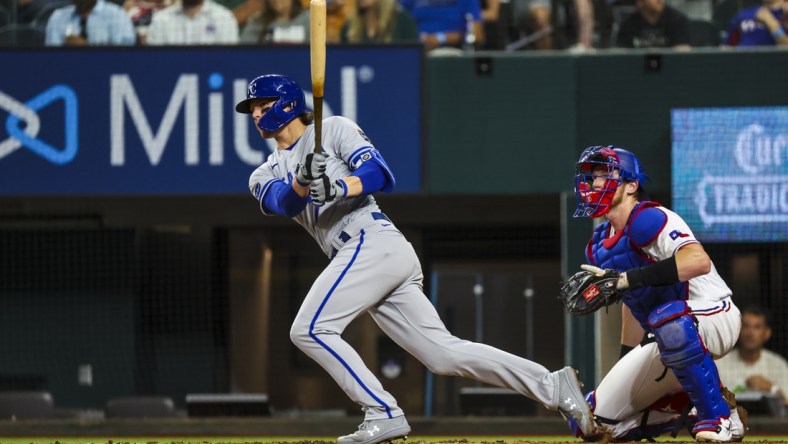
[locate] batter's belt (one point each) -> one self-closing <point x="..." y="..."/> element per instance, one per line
<point x="352" y="229"/>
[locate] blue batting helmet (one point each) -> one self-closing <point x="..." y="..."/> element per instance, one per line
<point x="287" y="94"/>
<point x="595" y="202"/>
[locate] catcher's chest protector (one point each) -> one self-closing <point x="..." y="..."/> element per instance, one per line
<point x="621" y="254"/>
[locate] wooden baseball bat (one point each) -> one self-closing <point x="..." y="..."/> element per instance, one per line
<point x="317" y="53"/>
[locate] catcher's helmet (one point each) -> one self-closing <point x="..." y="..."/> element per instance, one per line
<point x="275" y="86"/>
<point x="596" y="202"/>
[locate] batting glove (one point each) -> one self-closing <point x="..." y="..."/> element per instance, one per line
<point x="323" y="190"/>
<point x="622" y="283"/>
<point x="314" y="166"/>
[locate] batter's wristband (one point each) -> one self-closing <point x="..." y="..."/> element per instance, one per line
<point x="779" y="32"/>
<point x="658" y="274"/>
<point x="342" y="183"/>
<point x="441" y="37"/>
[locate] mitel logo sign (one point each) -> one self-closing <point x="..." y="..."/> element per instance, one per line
<point x="125" y="101"/>
<point x="112" y="127"/>
<point x="23" y="124"/>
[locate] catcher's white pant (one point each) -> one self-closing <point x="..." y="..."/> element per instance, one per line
<point x="378" y="272"/>
<point x="639" y="379"/>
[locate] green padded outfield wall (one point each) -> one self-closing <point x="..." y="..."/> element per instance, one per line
<point x="487" y="131"/>
<point x="520" y="127"/>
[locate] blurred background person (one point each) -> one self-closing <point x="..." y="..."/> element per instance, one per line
<point x="337" y="14"/>
<point x="545" y="25"/>
<point x="282" y="21"/>
<point x="90" y="22"/>
<point x="750" y="366"/>
<point x="654" y="25"/>
<point x="447" y="23"/>
<point x="193" y="22"/>
<point x="495" y="30"/>
<point x="141" y="13"/>
<point x="379" y="21"/>
<point x="763" y="25"/>
<point x="243" y="10"/>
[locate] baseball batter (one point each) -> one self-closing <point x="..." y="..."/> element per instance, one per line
<point x="373" y="268"/>
<point x="673" y="292"/>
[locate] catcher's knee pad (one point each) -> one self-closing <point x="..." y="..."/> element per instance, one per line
<point x="682" y="351"/>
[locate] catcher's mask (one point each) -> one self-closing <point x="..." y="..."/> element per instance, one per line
<point x="287" y="94"/>
<point x="596" y="202"/>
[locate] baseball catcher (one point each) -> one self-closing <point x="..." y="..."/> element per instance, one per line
<point x="646" y="256"/>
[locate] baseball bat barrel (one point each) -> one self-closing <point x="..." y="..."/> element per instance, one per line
<point x="317" y="53"/>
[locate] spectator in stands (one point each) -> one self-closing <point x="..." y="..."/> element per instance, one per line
<point x="750" y="366"/>
<point x="141" y="13"/>
<point x="379" y="21"/>
<point x="193" y="22"/>
<point x="337" y="14"/>
<point x="447" y="23"/>
<point x="494" y="30"/>
<point x="243" y="10"/>
<point x="282" y="21"/>
<point x="654" y="25"/>
<point x="90" y="22"/>
<point x="540" y="30"/>
<point x="760" y="25"/>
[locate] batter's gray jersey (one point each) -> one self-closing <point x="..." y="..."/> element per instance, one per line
<point x="345" y="144"/>
<point x="375" y="270"/>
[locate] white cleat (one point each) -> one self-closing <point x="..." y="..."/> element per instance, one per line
<point x="374" y="431"/>
<point x="721" y="431"/>
<point x="572" y="403"/>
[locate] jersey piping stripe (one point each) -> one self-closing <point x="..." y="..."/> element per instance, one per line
<point x="687" y="242"/>
<point x="329" y="349"/>
<point x="713" y="310"/>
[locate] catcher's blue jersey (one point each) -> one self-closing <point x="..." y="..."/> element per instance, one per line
<point x="652" y="233"/>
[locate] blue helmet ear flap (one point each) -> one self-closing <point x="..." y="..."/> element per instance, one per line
<point x="290" y="101"/>
<point x="629" y="166"/>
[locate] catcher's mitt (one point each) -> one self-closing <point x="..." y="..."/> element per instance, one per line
<point x="586" y="292"/>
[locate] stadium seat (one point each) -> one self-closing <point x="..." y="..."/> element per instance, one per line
<point x="703" y="33"/>
<point x="21" y="35"/>
<point x="6" y="17"/>
<point x="140" y="407"/>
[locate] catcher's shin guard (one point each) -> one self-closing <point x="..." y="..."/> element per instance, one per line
<point x="682" y="350"/>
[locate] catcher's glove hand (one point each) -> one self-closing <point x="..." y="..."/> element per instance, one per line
<point x="587" y="291"/>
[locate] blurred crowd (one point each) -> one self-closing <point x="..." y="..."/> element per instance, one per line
<point x="573" y="25"/>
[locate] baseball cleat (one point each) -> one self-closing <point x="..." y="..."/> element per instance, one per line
<point x="714" y="430"/>
<point x="374" y="431"/>
<point x="572" y="404"/>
